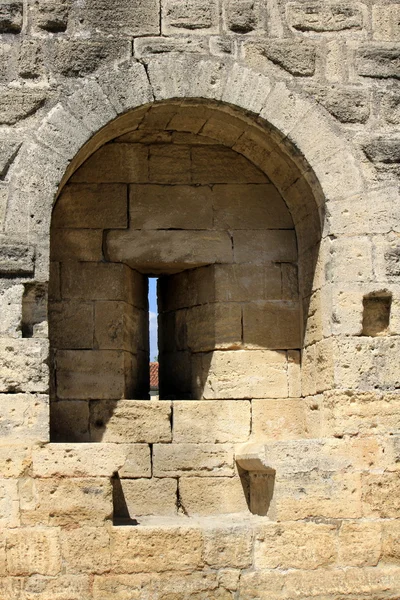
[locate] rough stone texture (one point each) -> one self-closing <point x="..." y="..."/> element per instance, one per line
<point x="274" y="129"/>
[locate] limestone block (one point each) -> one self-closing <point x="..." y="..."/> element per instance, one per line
<point x="222" y="165"/>
<point x="120" y="326"/>
<point x="14" y="460"/>
<point x="378" y="61"/>
<point x="379" y="496"/>
<point x="31" y="551"/>
<point x="91" y="460"/>
<point x="155" y="549"/>
<point x="355" y="413"/>
<point x="240" y="374"/>
<point x="9" y="503"/>
<point x="212" y="495"/>
<point x="242" y="16"/>
<point x="211" y="422"/>
<point x="75" y="244"/>
<point x="131" y="421"/>
<point x="311" y="16"/>
<point x="86" y="549"/>
<point x="149" y="497"/>
<point x="190" y="118"/>
<point x="115" y="163"/>
<point x="68" y="502"/>
<point x="223" y="127"/>
<point x="278" y="419"/>
<point x="102" y="281"/>
<point x="390" y="541"/>
<point x="23" y="365"/>
<point x="348" y="105"/>
<point x="123" y="18"/>
<point x="188" y="207"/>
<point x="191" y="15"/>
<point x="228" y="547"/>
<point x="17" y="104"/>
<point x="274" y="325"/>
<point x="295" y="56"/>
<point x="91" y="206"/>
<point x="50" y="15"/>
<point x="158" y="45"/>
<point x="168" y="251"/>
<point x="359" y="543"/>
<point x="71" y="325"/>
<point x="11" y="310"/>
<point x="385" y="22"/>
<point x="169" y="164"/>
<point x="70" y="421"/>
<point x="74" y="587"/>
<point x="295" y="546"/>
<point x="316" y="494"/>
<point x="213" y="326"/>
<point x="77" y="57"/>
<point x="250" y="206"/>
<point x="11" y="17"/>
<point x="391" y="108"/>
<point x="17" y="259"/>
<point x="96" y="374"/>
<point x="258" y="247"/>
<point x="175" y="460"/>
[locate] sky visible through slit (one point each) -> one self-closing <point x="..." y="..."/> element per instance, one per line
<point x="153" y="319"/>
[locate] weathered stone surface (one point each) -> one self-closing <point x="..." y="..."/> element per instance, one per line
<point x="50" y="15"/>
<point x="378" y="495"/>
<point x="271" y="325"/>
<point x="118" y="325"/>
<point x="295" y="56"/>
<point x="24" y="418"/>
<point x="212" y="495"/>
<point x="190" y="15"/>
<point x="86" y="549"/>
<point x="24" y="365"/>
<point x="349" y="105"/>
<point x="9" y="503"/>
<point x="240" y="374"/>
<point x="264" y="246"/>
<point x="383" y="149"/>
<point x="214" y="326"/>
<point x="159" y="45"/>
<point x="155" y="549"/>
<point x="77" y="57"/>
<point x="174" y="460"/>
<point x="324" y="17"/>
<point x="222" y="165"/>
<point x="76" y="244"/>
<point x="66" y="502"/>
<point x="225" y="421"/>
<point x="17" y="260"/>
<point x="19" y="103"/>
<point x="33" y="551"/>
<point x="360" y="543"/>
<point x="242" y="16"/>
<point x="149" y="497"/>
<point x="11" y="17"/>
<point x="385" y="22"/>
<point x="378" y="61"/>
<point x="131" y="421"/>
<point x="228" y="547"/>
<point x="278" y="419"/>
<point x="71" y="325"/>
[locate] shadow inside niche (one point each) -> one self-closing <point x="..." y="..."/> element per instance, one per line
<point x="121" y="514"/>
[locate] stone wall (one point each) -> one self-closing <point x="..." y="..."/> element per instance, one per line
<point x="284" y="485"/>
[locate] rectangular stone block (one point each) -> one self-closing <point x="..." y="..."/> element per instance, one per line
<point x="295" y="545"/>
<point x="91" y="460"/>
<point x="169" y="164"/>
<point x="11" y="14"/>
<point x="214" y="326"/>
<point x="102" y="281"/>
<point x="148" y="497"/>
<point x="278" y="419"/>
<point x="120" y="326"/>
<point x="168" y="251"/>
<point x="311" y="16"/>
<point x="379" y="496"/>
<point x="260" y="247"/>
<point x="9" y="503"/>
<point x="188" y="207"/>
<point x="70" y="421"/>
<point x="74" y="587"/>
<point x="250" y="206"/>
<point x="386" y="22"/>
<point x="95" y="374"/>
<point x="274" y="325"/>
<point x="11" y="297"/>
<point x="115" y="163"/>
<point x="24" y="365"/>
<point x="243" y="16"/>
<point x="208" y="460"/>
<point x="138" y="550"/>
<point x="391" y="541"/>
<point x="14" y="459"/>
<point x="125" y="18"/>
<point x="33" y="551"/>
<point x="192" y="16"/>
<point x="17" y="259"/>
<point x="359" y="543"/>
<point x="202" y="496"/>
<point x="67" y="502"/>
<point x="24" y="418"/>
<point x="76" y="244"/>
<point x="211" y="422"/>
<point x="102" y="206"/>
<point x="86" y="549"/>
<point x="71" y="325"/>
<point x="131" y="421"/>
<point x="223" y="165"/>
<point x="240" y="374"/>
<point x="378" y="61"/>
<point x="229" y="548"/>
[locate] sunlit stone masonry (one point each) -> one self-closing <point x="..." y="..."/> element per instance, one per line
<point x="247" y="154"/>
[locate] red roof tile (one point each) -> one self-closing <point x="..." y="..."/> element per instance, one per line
<point x="154" y="375"/>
